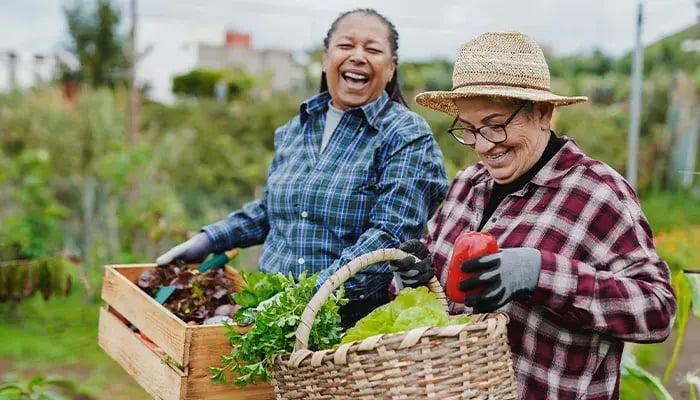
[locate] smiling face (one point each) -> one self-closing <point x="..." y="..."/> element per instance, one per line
<point x="358" y="61"/>
<point x="527" y="135"/>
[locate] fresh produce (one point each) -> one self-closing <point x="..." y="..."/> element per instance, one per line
<point x="467" y="246"/>
<point x="276" y="322"/>
<point x="259" y="287"/>
<point x="197" y="296"/>
<point x="412" y="308"/>
<point x="228" y="310"/>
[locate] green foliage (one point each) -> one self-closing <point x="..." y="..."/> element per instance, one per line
<point x="39" y="387"/>
<point x="30" y="224"/>
<point x="215" y="157"/>
<point x="259" y="287"/>
<point x="201" y="82"/>
<point x="95" y="41"/>
<point x="417" y="77"/>
<point x="667" y="211"/>
<point x="632" y="371"/>
<point x="49" y="276"/>
<point x="58" y="337"/>
<point x="683" y="297"/>
<point x="273" y="333"/>
<point x="597" y="63"/>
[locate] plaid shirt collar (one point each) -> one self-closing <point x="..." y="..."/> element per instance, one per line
<point x="319" y="104"/>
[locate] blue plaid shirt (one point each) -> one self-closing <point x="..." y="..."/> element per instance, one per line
<point x="376" y="183"/>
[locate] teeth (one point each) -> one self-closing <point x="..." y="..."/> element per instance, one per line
<point x="354" y="75"/>
<point x="498" y="156"/>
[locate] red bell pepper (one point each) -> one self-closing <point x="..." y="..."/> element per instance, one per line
<point x="467" y="246"/>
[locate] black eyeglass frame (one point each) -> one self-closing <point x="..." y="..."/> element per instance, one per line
<point x="458" y="133"/>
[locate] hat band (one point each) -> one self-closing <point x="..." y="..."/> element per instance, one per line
<point x="487" y="83"/>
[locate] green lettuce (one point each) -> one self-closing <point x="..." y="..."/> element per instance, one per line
<point x="412" y="308"/>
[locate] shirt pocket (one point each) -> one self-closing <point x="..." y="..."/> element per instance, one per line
<point x="345" y="200"/>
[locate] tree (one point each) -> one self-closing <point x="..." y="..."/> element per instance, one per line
<point x="95" y="42"/>
<point x="201" y="82"/>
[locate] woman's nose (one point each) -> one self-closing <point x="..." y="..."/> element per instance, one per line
<point x="358" y="55"/>
<point x="482" y="145"/>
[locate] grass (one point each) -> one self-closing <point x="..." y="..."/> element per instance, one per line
<point x="59" y="338"/>
<point x="667" y="211"/>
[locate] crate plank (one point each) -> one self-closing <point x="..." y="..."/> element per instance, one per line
<point x="154" y="320"/>
<point x="211" y="342"/>
<point x="145" y="366"/>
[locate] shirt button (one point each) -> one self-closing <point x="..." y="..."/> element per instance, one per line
<point x="362" y="296"/>
<point x="494" y="219"/>
<point x="300" y="261"/>
<point x="304" y="214"/>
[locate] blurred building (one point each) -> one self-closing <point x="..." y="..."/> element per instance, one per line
<point x="19" y="70"/>
<point x="285" y="72"/>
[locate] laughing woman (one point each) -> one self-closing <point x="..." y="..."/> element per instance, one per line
<point x="353" y="172"/>
<point x="577" y="273"/>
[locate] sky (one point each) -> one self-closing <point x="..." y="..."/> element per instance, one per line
<point x="428" y="29"/>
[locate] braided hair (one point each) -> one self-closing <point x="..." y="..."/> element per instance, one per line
<point x="392" y="88"/>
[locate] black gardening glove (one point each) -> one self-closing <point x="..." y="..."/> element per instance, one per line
<point x="412" y="272"/>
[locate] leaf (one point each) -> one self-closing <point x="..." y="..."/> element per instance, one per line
<point x="245" y="298"/>
<point x="694" y="382"/>
<point x="694" y="286"/>
<point x="629" y="366"/>
<point x="683" y="298"/>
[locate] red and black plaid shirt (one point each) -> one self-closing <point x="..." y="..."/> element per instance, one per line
<point x="601" y="281"/>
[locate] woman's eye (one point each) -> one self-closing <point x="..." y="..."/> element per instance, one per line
<point x="345" y="46"/>
<point x="374" y="51"/>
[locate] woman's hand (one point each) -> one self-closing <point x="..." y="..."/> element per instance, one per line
<point x="412" y="272"/>
<point x="502" y="276"/>
<point x="194" y="250"/>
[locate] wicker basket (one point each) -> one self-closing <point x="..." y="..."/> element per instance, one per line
<point x="471" y="361"/>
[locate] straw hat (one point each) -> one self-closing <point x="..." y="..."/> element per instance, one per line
<point x="498" y="64"/>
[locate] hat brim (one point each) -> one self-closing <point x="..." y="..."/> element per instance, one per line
<point x="444" y="101"/>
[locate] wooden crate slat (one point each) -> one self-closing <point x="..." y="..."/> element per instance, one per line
<point x="160" y="325"/>
<point x="146" y="367"/>
<point x="211" y="342"/>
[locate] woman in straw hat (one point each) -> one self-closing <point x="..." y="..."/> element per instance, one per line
<point x="577" y="271"/>
<point x="355" y="171"/>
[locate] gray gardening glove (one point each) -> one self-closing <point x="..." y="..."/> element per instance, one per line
<point x="412" y="272"/>
<point x="196" y="249"/>
<point x="502" y="275"/>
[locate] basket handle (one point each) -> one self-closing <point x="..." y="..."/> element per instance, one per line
<point x="340" y="277"/>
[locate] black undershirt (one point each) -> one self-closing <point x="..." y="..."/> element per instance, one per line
<point x="500" y="191"/>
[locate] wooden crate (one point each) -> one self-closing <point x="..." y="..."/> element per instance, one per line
<point x="172" y="361"/>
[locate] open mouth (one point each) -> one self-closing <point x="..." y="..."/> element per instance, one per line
<point x="498" y="157"/>
<point x="355" y="80"/>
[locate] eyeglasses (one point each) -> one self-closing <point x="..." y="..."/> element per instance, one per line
<point x="493" y="133"/>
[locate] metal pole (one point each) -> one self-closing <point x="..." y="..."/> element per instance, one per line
<point x="133" y="90"/>
<point x="133" y="102"/>
<point x="12" y="69"/>
<point x="636" y="102"/>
